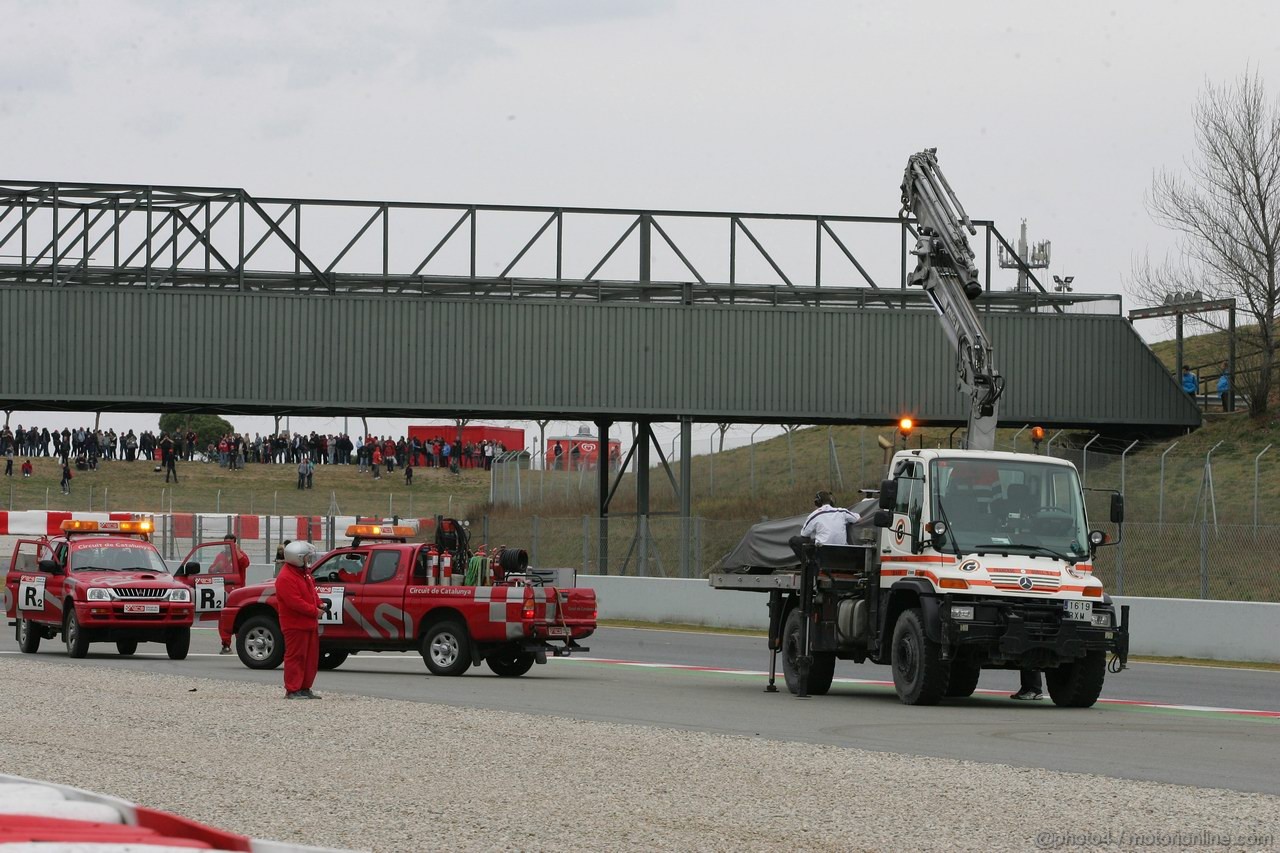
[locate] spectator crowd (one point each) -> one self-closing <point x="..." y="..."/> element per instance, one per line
<point x="84" y="448"/>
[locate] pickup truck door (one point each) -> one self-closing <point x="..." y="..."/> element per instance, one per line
<point x="34" y="595"/>
<point x="337" y="579"/>
<point x="379" y="598"/>
<point x="220" y="573"/>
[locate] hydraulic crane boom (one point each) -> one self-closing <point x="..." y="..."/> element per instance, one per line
<point x="945" y="269"/>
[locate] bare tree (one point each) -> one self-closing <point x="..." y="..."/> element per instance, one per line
<point x="1226" y="209"/>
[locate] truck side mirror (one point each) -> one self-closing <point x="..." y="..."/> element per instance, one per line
<point x="1117" y="509"/>
<point x="48" y="566"/>
<point x="888" y="495"/>
<point x="883" y="518"/>
<point x="191" y="568"/>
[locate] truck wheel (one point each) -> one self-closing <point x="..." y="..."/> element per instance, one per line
<point x="510" y="664"/>
<point x="333" y="658"/>
<point x="446" y="648"/>
<point x="73" y="635"/>
<point x="1078" y="684"/>
<point x="821" y="670"/>
<point x="28" y="637"/>
<point x="920" y="675"/>
<point x="126" y="647"/>
<point x="260" y="642"/>
<point x="964" y="679"/>
<point x="178" y="643"/>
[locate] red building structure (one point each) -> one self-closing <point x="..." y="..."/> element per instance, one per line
<point x="579" y="451"/>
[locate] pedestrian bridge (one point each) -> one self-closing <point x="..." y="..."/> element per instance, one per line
<point x="142" y="298"/>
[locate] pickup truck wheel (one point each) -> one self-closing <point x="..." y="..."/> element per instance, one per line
<point x="964" y="679"/>
<point x="920" y="675"/>
<point x="73" y="635"/>
<point x="821" y="670"/>
<point x="1078" y="684"/>
<point x="510" y="664"/>
<point x="28" y="637"/>
<point x="126" y="647"/>
<point x="260" y="642"/>
<point x="333" y="658"/>
<point x="178" y="643"/>
<point x="446" y="648"/>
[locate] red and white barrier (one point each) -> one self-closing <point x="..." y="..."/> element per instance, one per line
<point x="185" y="524"/>
<point x="44" y="816"/>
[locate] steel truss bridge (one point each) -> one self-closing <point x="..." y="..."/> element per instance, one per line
<point x="121" y="296"/>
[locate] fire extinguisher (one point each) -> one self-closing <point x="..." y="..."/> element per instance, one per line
<point x="433" y="566"/>
<point x="446" y="569"/>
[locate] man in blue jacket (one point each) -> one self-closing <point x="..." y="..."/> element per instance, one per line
<point x="1189" y="382"/>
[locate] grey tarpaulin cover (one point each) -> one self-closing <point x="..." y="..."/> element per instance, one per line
<point x="765" y="547"/>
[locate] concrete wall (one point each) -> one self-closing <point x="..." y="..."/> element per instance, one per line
<point x="1165" y="627"/>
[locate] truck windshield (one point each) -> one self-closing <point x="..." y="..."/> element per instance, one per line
<point x="116" y="557"/>
<point x="1010" y="506"/>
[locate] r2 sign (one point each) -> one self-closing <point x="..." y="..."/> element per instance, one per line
<point x="330" y="604"/>
<point x="31" y="593"/>
<point x="211" y="594"/>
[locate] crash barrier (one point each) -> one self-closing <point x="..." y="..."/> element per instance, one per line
<point x="1162" y="627"/>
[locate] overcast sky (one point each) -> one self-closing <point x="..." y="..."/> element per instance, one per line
<point x="1053" y="112"/>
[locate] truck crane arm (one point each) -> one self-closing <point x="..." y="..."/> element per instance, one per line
<point x="946" y="270"/>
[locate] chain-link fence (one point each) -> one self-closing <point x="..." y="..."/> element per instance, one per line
<point x="1199" y="517"/>
<point x="1162" y="560"/>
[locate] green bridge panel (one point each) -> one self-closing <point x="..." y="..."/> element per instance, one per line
<point x="90" y="348"/>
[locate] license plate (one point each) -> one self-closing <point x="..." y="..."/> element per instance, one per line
<point x="142" y="608"/>
<point x="557" y="631"/>
<point x="1079" y="610"/>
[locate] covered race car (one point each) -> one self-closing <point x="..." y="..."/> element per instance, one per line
<point x="765" y="546"/>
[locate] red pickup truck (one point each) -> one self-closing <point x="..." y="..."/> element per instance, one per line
<point x="100" y="581"/>
<point x="383" y="593"/>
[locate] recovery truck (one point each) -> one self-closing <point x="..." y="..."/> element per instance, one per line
<point x="99" y="581"/>
<point x="384" y="593"/>
<point x="973" y="559"/>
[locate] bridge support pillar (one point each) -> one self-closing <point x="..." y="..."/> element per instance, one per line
<point x="688" y="561"/>
<point x="602" y="488"/>
<point x="644" y="439"/>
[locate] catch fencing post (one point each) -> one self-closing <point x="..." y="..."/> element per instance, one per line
<point x="753" y="457"/>
<point x="1048" y="448"/>
<point x="1255" y="490"/>
<point x="1160" y="518"/>
<point x="837" y="479"/>
<point x="1206" y="488"/>
<point x="1018" y="433"/>
<point x="1120" y="546"/>
<point x="586" y="543"/>
<point x="1084" y="460"/>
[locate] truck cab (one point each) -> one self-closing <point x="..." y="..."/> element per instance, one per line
<point x="99" y="581"/>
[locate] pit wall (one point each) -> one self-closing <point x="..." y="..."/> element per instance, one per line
<point x="1162" y="627"/>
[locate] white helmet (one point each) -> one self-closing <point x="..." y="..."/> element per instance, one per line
<point x="299" y="553"/>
